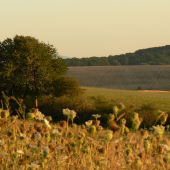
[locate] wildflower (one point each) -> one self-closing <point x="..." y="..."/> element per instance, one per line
<point x="30" y="116"/>
<point x="122" y="122"/>
<point x="33" y="166"/>
<point x="111" y="117"/>
<point x="49" y="118"/>
<point x="34" y="148"/>
<point x="56" y="132"/>
<point x="63" y="158"/>
<point x="22" y="136"/>
<point x="66" y="111"/>
<point x="89" y="122"/>
<point x="60" y="147"/>
<point x="158" y="131"/>
<point x="96" y="116"/>
<point x="166" y="147"/>
<point x="47" y="123"/>
<point x="20" y="152"/>
<point x="91" y="129"/>
<point x="115" y="110"/>
<point x="37" y="135"/>
<point x="108" y="135"/>
<point x="99" y="128"/>
<point x="74" y="126"/>
<point x="69" y="113"/>
<point x="39" y="116"/>
<point x="117" y="140"/>
<point x="135" y="121"/>
<point x="46" y="151"/>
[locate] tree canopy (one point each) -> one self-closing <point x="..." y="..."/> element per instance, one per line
<point x="28" y="66"/>
<point x="149" y="56"/>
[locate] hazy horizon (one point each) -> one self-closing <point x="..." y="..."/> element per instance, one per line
<point x="79" y="28"/>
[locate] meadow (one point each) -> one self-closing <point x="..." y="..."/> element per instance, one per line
<point x="123" y="143"/>
<point x="137" y="97"/>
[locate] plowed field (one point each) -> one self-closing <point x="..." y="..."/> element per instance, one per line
<point x="152" y="77"/>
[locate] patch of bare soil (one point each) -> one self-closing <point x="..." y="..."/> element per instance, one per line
<point x="155" y="91"/>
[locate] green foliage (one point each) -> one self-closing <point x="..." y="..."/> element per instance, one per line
<point x="139" y="87"/>
<point x="65" y="86"/>
<point x="28" y="66"/>
<point x="149" y="56"/>
<point x="53" y="106"/>
<point x="149" y="114"/>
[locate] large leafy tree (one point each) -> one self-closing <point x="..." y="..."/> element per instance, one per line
<point x="28" y="66"/>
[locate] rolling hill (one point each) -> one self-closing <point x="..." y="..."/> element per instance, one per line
<point x="149" y="77"/>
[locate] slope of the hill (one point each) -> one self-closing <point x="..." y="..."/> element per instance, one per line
<point x="123" y="77"/>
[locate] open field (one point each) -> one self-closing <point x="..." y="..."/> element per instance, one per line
<point x="136" y="97"/>
<point x="149" y="77"/>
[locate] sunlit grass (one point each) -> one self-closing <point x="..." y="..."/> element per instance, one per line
<point x="128" y="97"/>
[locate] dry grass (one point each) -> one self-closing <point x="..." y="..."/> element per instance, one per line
<point x="123" y="77"/>
<point x="24" y="147"/>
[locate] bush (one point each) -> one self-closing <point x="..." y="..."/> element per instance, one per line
<point x="53" y="106"/>
<point x="149" y="114"/>
<point x="139" y="87"/>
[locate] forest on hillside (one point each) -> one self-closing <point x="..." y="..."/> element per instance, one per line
<point x="149" y="56"/>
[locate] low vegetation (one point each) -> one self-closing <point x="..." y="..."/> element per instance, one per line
<point x="35" y="143"/>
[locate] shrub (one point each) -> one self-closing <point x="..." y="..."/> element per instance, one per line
<point x="54" y="106"/>
<point x="149" y="114"/>
<point x="139" y="87"/>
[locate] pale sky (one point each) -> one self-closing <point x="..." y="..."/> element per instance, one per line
<point x="86" y="28"/>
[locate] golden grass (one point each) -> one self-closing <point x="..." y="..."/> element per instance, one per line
<point x="76" y="148"/>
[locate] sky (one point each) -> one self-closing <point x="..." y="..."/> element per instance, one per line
<point x="86" y="28"/>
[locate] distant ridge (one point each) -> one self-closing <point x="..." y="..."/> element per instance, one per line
<point x="63" y="57"/>
<point x="123" y="77"/>
<point x="148" y="56"/>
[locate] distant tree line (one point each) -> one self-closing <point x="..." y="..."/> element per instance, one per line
<point x="149" y="56"/>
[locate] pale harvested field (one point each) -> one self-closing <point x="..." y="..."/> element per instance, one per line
<point x="123" y="77"/>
